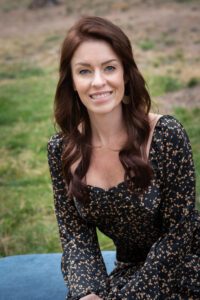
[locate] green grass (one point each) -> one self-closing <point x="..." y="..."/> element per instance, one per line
<point x="194" y="81"/>
<point x="53" y="38"/>
<point x="27" y="220"/>
<point x="17" y="71"/>
<point x="146" y="45"/>
<point x="159" y="85"/>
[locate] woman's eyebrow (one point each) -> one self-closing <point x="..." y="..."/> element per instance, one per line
<point x="104" y="63"/>
<point x="109" y="61"/>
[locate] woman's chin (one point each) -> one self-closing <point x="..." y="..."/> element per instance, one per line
<point x="105" y="108"/>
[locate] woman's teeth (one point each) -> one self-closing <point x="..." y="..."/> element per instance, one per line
<point x="101" y="95"/>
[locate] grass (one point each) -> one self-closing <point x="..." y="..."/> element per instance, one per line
<point x="27" y="220"/>
<point x="159" y="85"/>
<point x="17" y="71"/>
<point x="193" y="82"/>
<point x="146" y="45"/>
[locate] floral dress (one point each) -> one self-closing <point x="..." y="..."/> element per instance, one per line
<point x="156" y="231"/>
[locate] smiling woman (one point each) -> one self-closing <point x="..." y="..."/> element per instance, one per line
<point x="98" y="77"/>
<point x="119" y="168"/>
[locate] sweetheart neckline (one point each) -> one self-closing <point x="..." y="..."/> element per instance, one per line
<point x="124" y="182"/>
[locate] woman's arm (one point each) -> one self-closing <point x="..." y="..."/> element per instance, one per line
<point x="82" y="263"/>
<point x="178" y="197"/>
<point x="159" y="276"/>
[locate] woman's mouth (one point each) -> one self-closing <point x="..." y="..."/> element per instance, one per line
<point x="100" y="95"/>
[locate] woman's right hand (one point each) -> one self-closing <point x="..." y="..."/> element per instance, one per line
<point x="91" y="297"/>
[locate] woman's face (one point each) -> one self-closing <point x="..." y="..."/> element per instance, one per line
<point x="98" y="76"/>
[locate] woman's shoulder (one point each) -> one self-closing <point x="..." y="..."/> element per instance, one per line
<point x="169" y="123"/>
<point x="171" y="131"/>
<point x="165" y="121"/>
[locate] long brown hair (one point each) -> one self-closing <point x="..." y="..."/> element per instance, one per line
<point x="70" y="112"/>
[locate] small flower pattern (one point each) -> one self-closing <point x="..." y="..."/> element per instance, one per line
<point x="156" y="231"/>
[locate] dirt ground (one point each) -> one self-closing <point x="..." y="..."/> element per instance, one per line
<point x="165" y="36"/>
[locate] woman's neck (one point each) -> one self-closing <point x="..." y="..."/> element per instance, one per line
<point x="108" y="130"/>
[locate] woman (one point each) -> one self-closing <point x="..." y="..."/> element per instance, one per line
<point x="118" y="167"/>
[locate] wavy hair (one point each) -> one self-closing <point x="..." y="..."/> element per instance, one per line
<point x="70" y="113"/>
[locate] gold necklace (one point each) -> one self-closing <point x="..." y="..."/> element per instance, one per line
<point x="104" y="147"/>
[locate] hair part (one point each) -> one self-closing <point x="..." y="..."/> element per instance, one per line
<point x="70" y="113"/>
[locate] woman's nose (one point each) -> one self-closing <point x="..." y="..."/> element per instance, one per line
<point x="98" y="79"/>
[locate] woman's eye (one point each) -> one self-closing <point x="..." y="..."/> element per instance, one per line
<point x="85" y="71"/>
<point x="110" y="68"/>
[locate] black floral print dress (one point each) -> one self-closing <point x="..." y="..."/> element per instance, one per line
<point x="156" y="232"/>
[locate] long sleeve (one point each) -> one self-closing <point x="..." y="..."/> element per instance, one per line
<point x="178" y="174"/>
<point x="82" y="264"/>
<point x="166" y="272"/>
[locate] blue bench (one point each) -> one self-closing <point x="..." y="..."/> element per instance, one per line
<point x="37" y="276"/>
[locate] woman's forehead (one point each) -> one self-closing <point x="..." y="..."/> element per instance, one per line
<point x="90" y="51"/>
